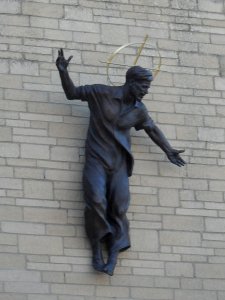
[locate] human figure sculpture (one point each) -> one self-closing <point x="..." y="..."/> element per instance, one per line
<point x="114" y="110"/>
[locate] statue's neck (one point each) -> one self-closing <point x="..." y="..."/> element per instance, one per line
<point x="127" y="97"/>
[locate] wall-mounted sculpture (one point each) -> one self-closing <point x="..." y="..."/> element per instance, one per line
<point x="114" y="110"/>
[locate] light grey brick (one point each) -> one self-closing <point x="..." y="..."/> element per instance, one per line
<point x="17" y="123"/>
<point x="38" y="189"/>
<point x="151" y="293"/>
<point x="35" y="139"/>
<point x="44" y="215"/>
<point x="183" y="223"/>
<point x="78" y="278"/>
<point x="10" y="213"/>
<point x="193" y="81"/>
<point x="8" y="239"/>
<point x="15" y="94"/>
<point x="213" y="284"/>
<point x="210" y="271"/>
<point x="12" y="261"/>
<point x="10" y="6"/>
<point x="107" y="291"/>
<point x="215" y="225"/>
<point x="197" y="60"/>
<point x="191" y="283"/>
<point x="4" y="66"/>
<point x="175" y="238"/>
<point x="28" y="131"/>
<point x="37" y="203"/>
<point x="72" y="289"/>
<point x="86" y="37"/>
<point x="64" y="175"/>
<point x="24" y="228"/>
<point x="35" y="151"/>
<point x="22" y="32"/>
<point x="33" y="173"/>
<point x="80" y="26"/>
<point x="49" y="267"/>
<point x="9" y="150"/>
<point x="66" y="131"/>
<point x="60" y="230"/>
<point x="179" y="269"/>
<point x="43" y="22"/>
<point x="7" y="81"/>
<point x="180" y="4"/>
<point x="194" y="295"/>
<point x="206" y="171"/>
<point x="220" y="83"/>
<point x="24" y="67"/>
<point x="195" y="184"/>
<point x="42" y="297"/>
<point x="7" y="296"/>
<point x="195" y="109"/>
<point x="56" y="277"/>
<point x="145" y="167"/>
<point x="19" y="275"/>
<point x="78" y="13"/>
<point x="65" y="154"/>
<point x="211" y="6"/>
<point x="6" y="172"/>
<point x="110" y="33"/>
<point x="211" y="134"/>
<point x="209" y="196"/>
<point x="147" y="181"/>
<point x="41" y="117"/>
<point x="40" y="245"/>
<point x="144" y="240"/>
<point x="22" y="287"/>
<point x="51" y="109"/>
<point x="42" y="9"/>
<point x="168" y="197"/>
<point x="167" y="282"/>
<point x="154" y="33"/>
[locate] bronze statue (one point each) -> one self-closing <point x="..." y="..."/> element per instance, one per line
<point x="109" y="162"/>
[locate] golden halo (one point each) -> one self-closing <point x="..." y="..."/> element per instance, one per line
<point x="142" y="45"/>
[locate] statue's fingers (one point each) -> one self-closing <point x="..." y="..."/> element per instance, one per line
<point x="177" y="164"/>
<point x="181" y="151"/>
<point x="59" y="53"/>
<point x="62" y="54"/>
<point x="181" y="160"/>
<point x="69" y="59"/>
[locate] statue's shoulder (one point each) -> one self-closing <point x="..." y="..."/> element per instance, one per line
<point x="106" y="90"/>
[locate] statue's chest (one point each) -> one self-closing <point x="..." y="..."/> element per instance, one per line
<point x="116" y="113"/>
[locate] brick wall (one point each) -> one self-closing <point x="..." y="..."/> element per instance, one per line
<point x="177" y="215"/>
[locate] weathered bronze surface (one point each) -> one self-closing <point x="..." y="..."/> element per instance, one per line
<point x="114" y="110"/>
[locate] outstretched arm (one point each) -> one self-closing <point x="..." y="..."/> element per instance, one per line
<point x="67" y="84"/>
<point x="159" y="139"/>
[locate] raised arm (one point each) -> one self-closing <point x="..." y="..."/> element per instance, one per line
<point x="159" y="139"/>
<point x="67" y="84"/>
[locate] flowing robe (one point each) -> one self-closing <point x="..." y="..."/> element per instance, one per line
<point x="109" y="162"/>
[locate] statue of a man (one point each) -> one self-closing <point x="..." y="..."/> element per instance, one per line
<point x="109" y="162"/>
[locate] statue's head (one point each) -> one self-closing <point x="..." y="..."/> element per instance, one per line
<point x="137" y="73"/>
<point x="139" y="80"/>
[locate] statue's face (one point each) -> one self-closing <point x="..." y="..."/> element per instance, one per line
<point x="138" y="89"/>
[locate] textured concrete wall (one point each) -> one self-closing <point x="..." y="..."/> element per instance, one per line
<point x="177" y="216"/>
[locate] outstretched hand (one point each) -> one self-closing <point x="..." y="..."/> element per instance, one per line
<point x="174" y="157"/>
<point x="61" y="62"/>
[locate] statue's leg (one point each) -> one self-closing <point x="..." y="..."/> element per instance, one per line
<point x="96" y="224"/>
<point x="118" y="197"/>
<point x="97" y="257"/>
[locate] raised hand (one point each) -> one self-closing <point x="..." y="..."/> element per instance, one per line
<point x="61" y="62"/>
<point x="174" y="157"/>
